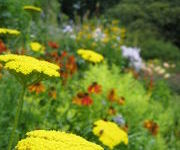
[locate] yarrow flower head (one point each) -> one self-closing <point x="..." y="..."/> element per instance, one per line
<point x="55" y="140"/>
<point x="9" y="31"/>
<point x="32" y="8"/>
<point x="37" y="47"/>
<point x="90" y="55"/>
<point x="109" y="133"/>
<point x="27" y="65"/>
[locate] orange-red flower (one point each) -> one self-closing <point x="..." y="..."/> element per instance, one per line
<point x="37" y="88"/>
<point x="67" y="64"/>
<point x="71" y="65"/>
<point x="53" y="45"/>
<point x="82" y="99"/>
<point x="2" y="47"/>
<point x="151" y="126"/>
<point x="63" y="54"/>
<point x="95" y="88"/>
<point x="112" y="95"/>
<point x="121" y="100"/>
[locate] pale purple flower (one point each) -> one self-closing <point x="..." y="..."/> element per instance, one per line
<point x="133" y="55"/>
<point x="98" y="34"/>
<point x="119" y="120"/>
<point x="67" y="29"/>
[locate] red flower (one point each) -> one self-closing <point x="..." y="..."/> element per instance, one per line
<point x="151" y="126"/>
<point x="86" y="100"/>
<point x="112" y="95"/>
<point x="2" y="47"/>
<point x="94" y="88"/>
<point x="82" y="99"/>
<point x="71" y="65"/>
<point x="53" y="45"/>
<point x="63" y="54"/>
<point x="37" y="88"/>
<point x="121" y="101"/>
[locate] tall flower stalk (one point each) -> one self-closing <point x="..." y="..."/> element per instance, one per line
<point x="27" y="70"/>
<point x="18" y="112"/>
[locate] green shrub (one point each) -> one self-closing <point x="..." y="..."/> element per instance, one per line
<point x="153" y="48"/>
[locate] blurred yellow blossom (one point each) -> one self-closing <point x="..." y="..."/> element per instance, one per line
<point x="37" y="47"/>
<point x="109" y="133"/>
<point x="27" y="65"/>
<point x="55" y="140"/>
<point x="90" y="55"/>
<point x="32" y="8"/>
<point x="9" y="31"/>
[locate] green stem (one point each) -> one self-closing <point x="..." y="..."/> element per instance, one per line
<point x="18" y="112"/>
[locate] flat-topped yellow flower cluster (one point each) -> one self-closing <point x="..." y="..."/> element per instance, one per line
<point x="33" y="8"/>
<point x="37" y="47"/>
<point x="27" y="65"/>
<point x="9" y="31"/>
<point x="109" y="133"/>
<point x="90" y="55"/>
<point x="55" y="140"/>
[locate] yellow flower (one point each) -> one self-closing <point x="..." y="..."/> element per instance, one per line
<point x="115" y="22"/>
<point x="33" y="8"/>
<point x="109" y="133"/>
<point x="55" y="140"/>
<point x="27" y="65"/>
<point x="9" y="31"/>
<point x="115" y="29"/>
<point x="90" y="55"/>
<point x="37" y="47"/>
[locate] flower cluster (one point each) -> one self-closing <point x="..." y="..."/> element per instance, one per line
<point x="32" y="8"/>
<point x="98" y="35"/>
<point x="37" y="47"/>
<point x="154" y="67"/>
<point x="151" y="126"/>
<point x="9" y="31"/>
<point x="53" y="45"/>
<point x="110" y="33"/>
<point x="27" y="65"/>
<point x="55" y="140"/>
<point x="133" y="54"/>
<point x="67" y="64"/>
<point x="90" y="55"/>
<point x="95" y="88"/>
<point x="109" y="133"/>
<point x="82" y="99"/>
<point x="112" y="97"/>
<point x="37" y="88"/>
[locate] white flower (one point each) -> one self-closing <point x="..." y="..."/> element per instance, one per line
<point x="166" y="65"/>
<point x="157" y="68"/>
<point x="167" y="75"/>
<point x="73" y="36"/>
<point x="133" y="54"/>
<point x="68" y="29"/>
<point x="161" y="71"/>
<point x="98" y="35"/>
